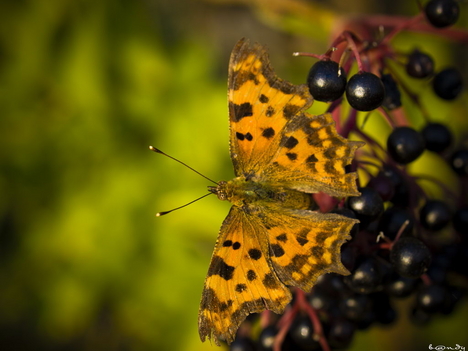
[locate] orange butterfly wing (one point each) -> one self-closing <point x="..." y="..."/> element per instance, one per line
<point x="240" y="280"/>
<point x="273" y="139"/>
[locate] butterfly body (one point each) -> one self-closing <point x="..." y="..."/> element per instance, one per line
<point x="251" y="195"/>
<point x="272" y="238"/>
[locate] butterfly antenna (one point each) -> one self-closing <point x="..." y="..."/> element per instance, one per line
<point x="152" y="148"/>
<point x="159" y="214"/>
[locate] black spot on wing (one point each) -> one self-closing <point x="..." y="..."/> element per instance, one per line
<point x="301" y="237"/>
<point x="240" y="288"/>
<point x="240" y="111"/>
<point x="255" y="254"/>
<point x="236" y="245"/>
<point x="243" y="76"/>
<point x="223" y="306"/>
<point x="219" y="267"/>
<point x="317" y="251"/>
<point x="289" y="111"/>
<point x="291" y="155"/>
<point x="240" y="136"/>
<point x="270" y="281"/>
<point x="263" y="99"/>
<point x="277" y="250"/>
<point x="270" y="111"/>
<point x="312" y="158"/>
<point x="282" y="237"/>
<point x="289" y="142"/>
<point x="227" y="243"/>
<point x="251" y="275"/>
<point x="330" y="153"/>
<point x="249" y="136"/>
<point x="268" y="133"/>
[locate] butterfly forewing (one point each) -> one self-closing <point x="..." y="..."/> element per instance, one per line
<point x="260" y="105"/>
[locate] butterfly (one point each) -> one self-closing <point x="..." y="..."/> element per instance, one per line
<point x="273" y="238"/>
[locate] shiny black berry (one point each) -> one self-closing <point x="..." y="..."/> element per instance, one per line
<point x="365" y="91"/>
<point x="267" y="338"/>
<point x="434" y="215"/>
<point x="436" y="136"/>
<point x="401" y="193"/>
<point x="459" y="162"/>
<point x="405" y="145"/>
<point x="242" y="344"/>
<point x="410" y="257"/>
<point x="302" y="333"/>
<point x="460" y="220"/>
<point x="354" y="307"/>
<point x="341" y="333"/>
<point x="430" y="298"/>
<point x="392" y="98"/>
<point x="367" y="206"/>
<point x="383" y="185"/>
<point x="442" y="13"/>
<point x="326" y="81"/>
<point x="366" y="277"/>
<point x="400" y="286"/>
<point x="419" y="65"/>
<point x="393" y="219"/>
<point x="448" y="83"/>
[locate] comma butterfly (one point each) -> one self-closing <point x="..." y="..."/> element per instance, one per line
<point x="272" y="238"/>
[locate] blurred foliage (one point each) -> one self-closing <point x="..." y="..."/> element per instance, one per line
<point x="85" y="87"/>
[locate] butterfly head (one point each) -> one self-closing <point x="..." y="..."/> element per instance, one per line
<point x="219" y="190"/>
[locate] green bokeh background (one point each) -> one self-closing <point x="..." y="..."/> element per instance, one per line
<point x="85" y="87"/>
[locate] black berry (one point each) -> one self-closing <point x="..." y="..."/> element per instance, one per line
<point x="405" y="145"/>
<point x="242" y="344"/>
<point x="434" y="215"/>
<point x="355" y="307"/>
<point x="326" y="81"/>
<point x="410" y="257"/>
<point x="400" y="286"/>
<point x="302" y="333"/>
<point x="437" y="137"/>
<point x="383" y="185"/>
<point x="365" y="91"/>
<point x="341" y="333"/>
<point x="367" y="206"/>
<point x="442" y="13"/>
<point x="366" y="277"/>
<point x="419" y="65"/>
<point x="430" y="298"/>
<point x="448" y="83"/>
<point x="459" y="162"/>
<point x="393" y="219"/>
<point x="267" y="338"/>
<point x="401" y="193"/>
<point x="392" y="98"/>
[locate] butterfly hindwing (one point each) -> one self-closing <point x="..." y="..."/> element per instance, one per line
<point x="306" y="244"/>
<point x="240" y="280"/>
<point x="312" y="157"/>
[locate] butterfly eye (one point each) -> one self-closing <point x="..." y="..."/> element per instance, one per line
<point x="221" y="196"/>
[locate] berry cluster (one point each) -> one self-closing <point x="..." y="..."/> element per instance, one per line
<point x="407" y="243"/>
